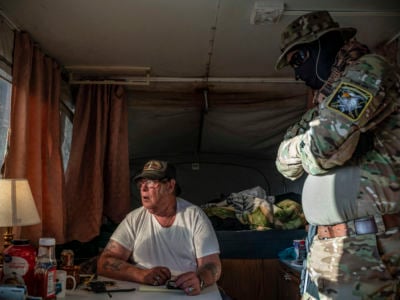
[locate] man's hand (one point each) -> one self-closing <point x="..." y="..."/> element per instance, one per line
<point x="189" y="282"/>
<point x="156" y="276"/>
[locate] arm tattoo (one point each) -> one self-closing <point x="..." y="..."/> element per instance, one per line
<point x="112" y="264"/>
<point x="212" y="268"/>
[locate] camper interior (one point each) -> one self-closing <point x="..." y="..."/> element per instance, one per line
<point x="201" y="91"/>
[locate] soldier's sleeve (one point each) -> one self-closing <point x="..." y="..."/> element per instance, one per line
<point x="288" y="161"/>
<point x="303" y="125"/>
<point x="357" y="104"/>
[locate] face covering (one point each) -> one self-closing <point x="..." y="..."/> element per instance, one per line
<point x="321" y="55"/>
<point x="306" y="71"/>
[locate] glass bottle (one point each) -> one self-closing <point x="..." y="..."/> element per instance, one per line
<point x="45" y="269"/>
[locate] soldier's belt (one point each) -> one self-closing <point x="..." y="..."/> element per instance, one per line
<point x="357" y="226"/>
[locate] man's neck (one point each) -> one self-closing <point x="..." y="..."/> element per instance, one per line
<point x="169" y="210"/>
<point x="167" y="217"/>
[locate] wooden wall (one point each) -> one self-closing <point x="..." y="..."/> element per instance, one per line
<point x="250" y="279"/>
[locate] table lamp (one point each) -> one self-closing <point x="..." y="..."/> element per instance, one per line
<point x="17" y="207"/>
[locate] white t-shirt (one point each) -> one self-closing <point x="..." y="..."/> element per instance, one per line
<point x="191" y="236"/>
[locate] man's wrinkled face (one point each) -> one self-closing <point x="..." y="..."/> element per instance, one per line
<point x="154" y="192"/>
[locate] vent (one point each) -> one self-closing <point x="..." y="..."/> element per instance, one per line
<point x="267" y="12"/>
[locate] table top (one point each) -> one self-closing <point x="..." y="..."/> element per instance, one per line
<point x="142" y="292"/>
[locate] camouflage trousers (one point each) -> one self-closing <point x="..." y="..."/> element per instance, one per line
<point x="356" y="267"/>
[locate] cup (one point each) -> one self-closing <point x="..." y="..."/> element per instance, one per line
<point x="73" y="271"/>
<point x="61" y="283"/>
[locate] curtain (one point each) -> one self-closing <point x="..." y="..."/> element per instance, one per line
<point x="6" y="48"/>
<point x="34" y="145"/>
<point x="97" y="177"/>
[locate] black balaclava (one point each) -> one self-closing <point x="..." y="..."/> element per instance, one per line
<point x="322" y="53"/>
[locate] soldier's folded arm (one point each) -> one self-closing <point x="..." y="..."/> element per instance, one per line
<point x="288" y="161"/>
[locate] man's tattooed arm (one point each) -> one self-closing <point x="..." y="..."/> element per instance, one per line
<point x="114" y="262"/>
<point x="209" y="269"/>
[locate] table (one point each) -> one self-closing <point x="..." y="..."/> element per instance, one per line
<point x="143" y="292"/>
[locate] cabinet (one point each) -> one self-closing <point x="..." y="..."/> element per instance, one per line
<point x="259" y="279"/>
<point x="250" y="268"/>
<point x="288" y="283"/>
<point x="245" y="279"/>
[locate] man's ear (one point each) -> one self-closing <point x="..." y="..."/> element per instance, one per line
<point x="171" y="187"/>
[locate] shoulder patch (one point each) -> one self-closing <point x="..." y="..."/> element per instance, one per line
<point x="350" y="100"/>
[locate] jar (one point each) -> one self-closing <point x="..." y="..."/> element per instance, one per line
<point x="45" y="269"/>
<point x="19" y="264"/>
<point x="67" y="258"/>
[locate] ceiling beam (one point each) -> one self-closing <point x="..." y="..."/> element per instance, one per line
<point x="342" y="13"/>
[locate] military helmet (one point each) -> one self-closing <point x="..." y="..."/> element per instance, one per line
<point x="306" y="29"/>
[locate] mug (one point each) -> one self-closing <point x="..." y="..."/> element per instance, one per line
<point x="73" y="271"/>
<point x="61" y="283"/>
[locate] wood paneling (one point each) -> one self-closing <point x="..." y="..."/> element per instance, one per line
<point x="250" y="279"/>
<point x="288" y="283"/>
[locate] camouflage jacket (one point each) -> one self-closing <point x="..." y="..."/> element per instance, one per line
<point x="364" y="98"/>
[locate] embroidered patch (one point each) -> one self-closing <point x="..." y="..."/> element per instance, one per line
<point x="350" y="100"/>
<point x="153" y="165"/>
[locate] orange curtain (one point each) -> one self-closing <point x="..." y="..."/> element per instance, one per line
<point x="34" y="145"/>
<point x="97" y="177"/>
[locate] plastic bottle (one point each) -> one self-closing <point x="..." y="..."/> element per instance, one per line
<point x="45" y="269"/>
<point x="19" y="264"/>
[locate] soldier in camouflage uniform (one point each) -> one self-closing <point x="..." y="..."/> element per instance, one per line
<point x="349" y="147"/>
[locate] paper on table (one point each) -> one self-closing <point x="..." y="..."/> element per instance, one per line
<point x="117" y="284"/>
<point x="161" y="289"/>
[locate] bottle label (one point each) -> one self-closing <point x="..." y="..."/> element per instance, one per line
<point x="14" y="269"/>
<point x="16" y="264"/>
<point x="45" y="279"/>
<point x="51" y="282"/>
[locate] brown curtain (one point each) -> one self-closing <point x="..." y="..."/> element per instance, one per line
<point x="34" y="145"/>
<point x="97" y="177"/>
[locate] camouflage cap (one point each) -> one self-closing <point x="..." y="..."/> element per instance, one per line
<point x="306" y="29"/>
<point x="156" y="169"/>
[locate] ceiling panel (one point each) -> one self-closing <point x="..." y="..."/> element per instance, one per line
<point x="171" y="37"/>
<point x="183" y="39"/>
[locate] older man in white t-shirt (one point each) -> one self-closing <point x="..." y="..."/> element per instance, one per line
<point x="167" y="238"/>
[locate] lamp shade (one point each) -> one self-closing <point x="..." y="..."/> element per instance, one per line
<point x="17" y="207"/>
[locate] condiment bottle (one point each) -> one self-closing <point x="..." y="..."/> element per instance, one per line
<point x="19" y="264"/>
<point x="45" y="269"/>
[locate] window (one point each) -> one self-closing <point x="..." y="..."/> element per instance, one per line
<point x="5" y="108"/>
<point x="66" y="136"/>
<point x="6" y="50"/>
